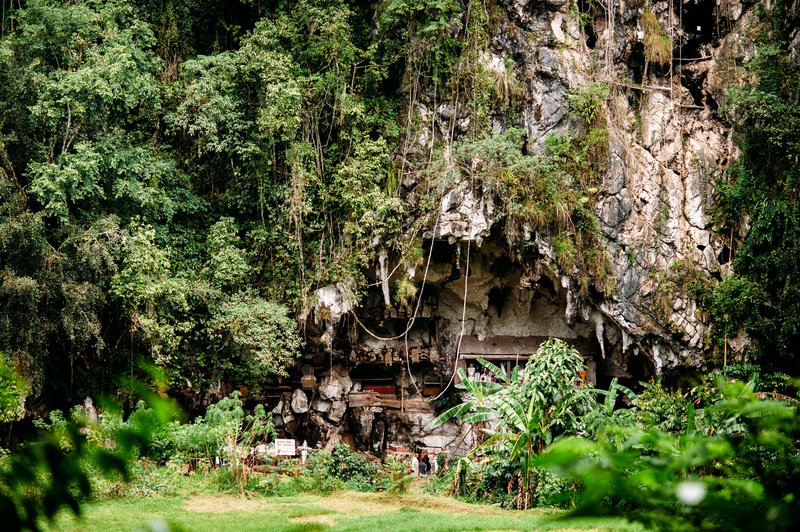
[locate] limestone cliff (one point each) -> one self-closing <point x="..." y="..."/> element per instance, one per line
<point x="667" y="142"/>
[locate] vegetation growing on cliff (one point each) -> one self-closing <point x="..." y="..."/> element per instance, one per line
<point x="759" y="200"/>
<point x="177" y="179"/>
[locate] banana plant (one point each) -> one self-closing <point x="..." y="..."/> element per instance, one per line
<point x="607" y="412"/>
<point x="476" y="409"/>
<point x="535" y="406"/>
<point x="521" y="432"/>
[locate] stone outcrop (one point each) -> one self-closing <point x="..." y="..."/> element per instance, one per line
<point x="668" y="142"/>
<point x="378" y="366"/>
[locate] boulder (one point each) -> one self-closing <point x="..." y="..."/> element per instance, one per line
<point x="336" y="384"/>
<point x="321" y="405"/>
<point x="299" y="402"/>
<point x="337" y="410"/>
<point x="286" y="412"/>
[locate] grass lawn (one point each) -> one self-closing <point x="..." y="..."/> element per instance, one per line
<point x="341" y="511"/>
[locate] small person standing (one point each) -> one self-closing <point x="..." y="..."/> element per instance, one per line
<point x="415" y="465"/>
<point x="425" y="463"/>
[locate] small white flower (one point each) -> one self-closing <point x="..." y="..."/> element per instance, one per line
<point x="690" y="492"/>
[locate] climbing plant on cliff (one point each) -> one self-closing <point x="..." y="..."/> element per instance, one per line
<point x="550" y="192"/>
<point x="759" y="199"/>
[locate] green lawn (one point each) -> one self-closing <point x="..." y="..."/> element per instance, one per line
<point x="341" y="511"/>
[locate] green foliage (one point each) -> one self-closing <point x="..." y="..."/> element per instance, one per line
<point x="734" y="300"/>
<point x="12" y="392"/>
<point x="229" y="432"/>
<point x="608" y="413"/>
<point x="539" y="404"/>
<point x="657" y="44"/>
<point x="733" y="467"/>
<point x="262" y="330"/>
<point x="224" y="423"/>
<point x="762" y="380"/>
<point x="564" y="251"/>
<point x="589" y="101"/>
<point x="661" y="409"/>
<point x="405" y="291"/>
<point x="354" y="469"/>
<point x="398" y="475"/>
<point x="759" y="198"/>
<point x="56" y="471"/>
<point x="177" y="178"/>
<point x="545" y="193"/>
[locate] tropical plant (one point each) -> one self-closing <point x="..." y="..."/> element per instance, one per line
<point x="733" y="468"/>
<point x="475" y="408"/>
<point x="228" y="432"/>
<point x="608" y="411"/>
<point x="398" y="475"/>
<point x="54" y="471"/>
<point x="544" y="401"/>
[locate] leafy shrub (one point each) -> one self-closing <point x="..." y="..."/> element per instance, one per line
<point x="320" y="476"/>
<point x="497" y="479"/>
<point x="354" y="469"/>
<point x="12" y="391"/>
<point x="396" y="475"/>
<point x="552" y="490"/>
<point x="148" y="479"/>
<point x="661" y="409"/>
<point x="588" y="101"/>
<point x="763" y="380"/>
<point x="735" y="467"/>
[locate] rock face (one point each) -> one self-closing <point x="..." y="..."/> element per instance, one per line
<point x="336" y="384"/>
<point x="668" y="142"/>
<point x="378" y="366"/>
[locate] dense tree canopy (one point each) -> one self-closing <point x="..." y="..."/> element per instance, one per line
<point x="177" y="178"/>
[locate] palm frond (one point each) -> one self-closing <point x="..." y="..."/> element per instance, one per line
<point x="494" y="369"/>
<point x="451" y="413"/>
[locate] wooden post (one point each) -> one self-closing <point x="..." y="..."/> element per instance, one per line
<point x="402" y="388"/>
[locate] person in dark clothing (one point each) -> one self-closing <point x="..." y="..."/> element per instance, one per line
<point x="424" y="463"/>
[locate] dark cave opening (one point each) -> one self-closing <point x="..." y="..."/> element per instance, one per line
<point x="636" y="62"/>
<point x="502" y="266"/>
<point x="693" y="81"/>
<point x="724" y="255"/>
<point x="546" y="287"/>
<point x="442" y="252"/>
<point x="497" y="298"/>
<point x="700" y="24"/>
<point x="587" y="9"/>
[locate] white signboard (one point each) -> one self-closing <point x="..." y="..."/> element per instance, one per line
<point x="285" y="447"/>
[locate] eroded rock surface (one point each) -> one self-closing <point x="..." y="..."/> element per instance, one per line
<point x="379" y="365"/>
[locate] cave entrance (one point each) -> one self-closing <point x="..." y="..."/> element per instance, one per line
<point x="700" y="25"/>
<point x="509" y="352"/>
<point x="589" y="12"/>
